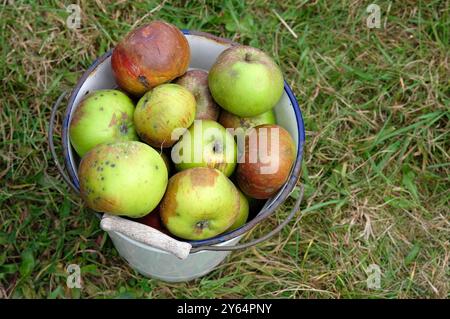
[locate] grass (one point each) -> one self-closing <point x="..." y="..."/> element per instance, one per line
<point x="376" y="164"/>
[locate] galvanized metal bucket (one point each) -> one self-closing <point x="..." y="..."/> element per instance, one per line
<point x="203" y="255"/>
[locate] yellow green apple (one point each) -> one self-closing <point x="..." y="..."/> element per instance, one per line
<point x="102" y="116"/>
<point x="123" y="178"/>
<point x="161" y="112"/>
<point x="199" y="203"/>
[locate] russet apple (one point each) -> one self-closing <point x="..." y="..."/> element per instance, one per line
<point x="229" y="120"/>
<point x="150" y="55"/>
<point x="206" y="144"/>
<point x="245" y="81"/>
<point x="199" y="203"/>
<point x="161" y="111"/>
<point x="123" y="178"/>
<point x="196" y="81"/>
<point x="266" y="162"/>
<point x="102" y="116"/>
<point x="241" y="125"/>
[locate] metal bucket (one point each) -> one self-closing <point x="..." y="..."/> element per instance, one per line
<point x="204" y="254"/>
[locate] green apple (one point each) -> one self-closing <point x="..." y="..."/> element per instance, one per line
<point x="245" y="81"/>
<point x="206" y="144"/>
<point x="199" y="203"/>
<point x="123" y="178"/>
<point x="161" y="112"/>
<point x="243" y="212"/>
<point x="102" y="116"/>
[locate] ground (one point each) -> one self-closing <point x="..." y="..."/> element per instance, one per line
<point x="375" y="168"/>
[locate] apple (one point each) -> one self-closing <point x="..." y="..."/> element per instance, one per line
<point x="240" y="125"/>
<point x="266" y="162"/>
<point x="161" y="111"/>
<point x="243" y="212"/>
<point x="206" y="144"/>
<point x="196" y="81"/>
<point x="123" y="178"/>
<point x="102" y="116"/>
<point x="153" y="219"/>
<point x="245" y="81"/>
<point x="199" y="203"/>
<point x="150" y="55"/>
<point x="229" y="120"/>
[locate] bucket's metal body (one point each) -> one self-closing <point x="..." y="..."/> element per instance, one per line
<point x="155" y="263"/>
<point x="148" y="260"/>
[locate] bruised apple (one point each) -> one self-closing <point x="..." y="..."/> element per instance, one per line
<point x="199" y="203"/>
<point x="150" y="55"/>
<point x="161" y="111"/>
<point x="124" y="178"/>
<point x="266" y="162"/>
<point x="103" y="116"/>
<point x="196" y="81"/>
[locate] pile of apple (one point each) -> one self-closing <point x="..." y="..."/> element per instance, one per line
<point x="130" y="150"/>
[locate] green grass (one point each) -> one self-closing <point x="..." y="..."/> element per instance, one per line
<point x="376" y="164"/>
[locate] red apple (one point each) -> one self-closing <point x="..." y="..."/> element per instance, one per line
<point x="150" y="55"/>
<point x="196" y="81"/>
<point x="153" y="219"/>
<point x="266" y="162"/>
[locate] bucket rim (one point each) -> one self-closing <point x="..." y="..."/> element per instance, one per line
<point x="271" y="204"/>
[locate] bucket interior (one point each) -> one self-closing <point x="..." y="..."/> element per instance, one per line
<point x="204" y="52"/>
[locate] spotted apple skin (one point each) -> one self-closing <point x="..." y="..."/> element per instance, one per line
<point x="199" y="203"/>
<point x="162" y="110"/>
<point x="103" y="116"/>
<point x="150" y="55"/>
<point x="124" y="178"/>
<point x="250" y="175"/>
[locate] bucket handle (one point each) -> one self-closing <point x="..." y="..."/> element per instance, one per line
<point x="51" y="143"/>
<point x="192" y="250"/>
<point x="260" y="239"/>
